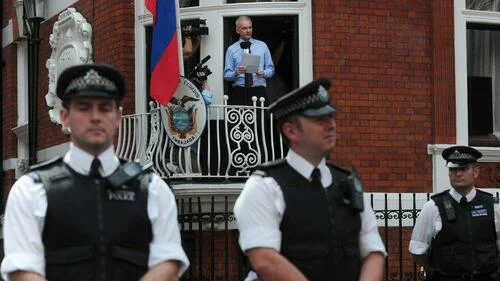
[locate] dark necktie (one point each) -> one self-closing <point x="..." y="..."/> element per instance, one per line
<point x="248" y="77"/>
<point x="316" y="178"/>
<point x="463" y="201"/>
<point x="94" y="168"/>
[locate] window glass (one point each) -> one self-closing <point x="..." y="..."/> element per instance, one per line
<point x="483" y="97"/>
<point x="188" y="3"/>
<point x="483" y="5"/>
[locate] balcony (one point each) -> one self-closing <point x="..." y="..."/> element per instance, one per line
<point x="236" y="140"/>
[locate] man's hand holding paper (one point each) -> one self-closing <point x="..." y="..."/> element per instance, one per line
<point x="251" y="62"/>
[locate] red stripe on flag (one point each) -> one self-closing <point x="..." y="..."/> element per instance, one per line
<point x="151" y="6"/>
<point x="165" y="76"/>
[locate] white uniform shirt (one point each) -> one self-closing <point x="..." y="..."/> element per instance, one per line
<point x="260" y="207"/>
<point x="429" y="223"/>
<point x="27" y="205"/>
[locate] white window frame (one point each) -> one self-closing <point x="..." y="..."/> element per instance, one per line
<point x="214" y="11"/>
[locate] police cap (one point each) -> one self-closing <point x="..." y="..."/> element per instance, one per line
<point x="460" y="156"/>
<point x="90" y="80"/>
<point x="311" y="100"/>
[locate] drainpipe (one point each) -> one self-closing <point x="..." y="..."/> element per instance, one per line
<point x="33" y="45"/>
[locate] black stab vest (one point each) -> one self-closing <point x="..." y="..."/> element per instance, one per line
<point x="320" y="233"/>
<point x="90" y="233"/>
<point x="466" y="244"/>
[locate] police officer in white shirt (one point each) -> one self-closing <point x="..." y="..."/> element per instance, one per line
<point x="90" y="215"/>
<point x="303" y="219"/>
<point x="456" y="234"/>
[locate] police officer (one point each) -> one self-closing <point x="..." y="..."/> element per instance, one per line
<point x="89" y="215"/>
<point x="456" y="234"/>
<point x="299" y="218"/>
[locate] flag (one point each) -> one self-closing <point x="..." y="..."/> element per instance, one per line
<point x="165" y="50"/>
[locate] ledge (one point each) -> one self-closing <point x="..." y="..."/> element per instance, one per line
<point x="21" y="131"/>
<point x="490" y="154"/>
<point x="189" y="189"/>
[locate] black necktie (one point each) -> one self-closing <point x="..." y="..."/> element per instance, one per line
<point x="316" y="178"/>
<point x="94" y="168"/>
<point x="463" y="201"/>
<point x="248" y="76"/>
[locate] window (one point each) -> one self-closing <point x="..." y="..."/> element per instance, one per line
<point x="293" y="18"/>
<point x="282" y="41"/>
<point x="483" y="73"/>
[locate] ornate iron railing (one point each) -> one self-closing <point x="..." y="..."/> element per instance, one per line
<point x="236" y="139"/>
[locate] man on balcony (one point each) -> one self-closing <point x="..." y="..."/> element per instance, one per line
<point x="456" y="235"/>
<point x="246" y="84"/>
<point x="300" y="218"/>
<point x="90" y="216"/>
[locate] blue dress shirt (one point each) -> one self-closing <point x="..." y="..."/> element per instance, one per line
<point x="233" y="60"/>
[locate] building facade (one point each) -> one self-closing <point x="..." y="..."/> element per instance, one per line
<point x="400" y="75"/>
<point x="410" y="78"/>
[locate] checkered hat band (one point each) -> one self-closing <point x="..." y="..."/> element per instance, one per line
<point x="91" y="80"/>
<point x="298" y="105"/>
<point x="457" y="156"/>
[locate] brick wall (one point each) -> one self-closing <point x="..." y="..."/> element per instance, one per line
<point x="8" y="180"/>
<point x="444" y="72"/>
<point x="113" y="27"/>
<point x="209" y="256"/>
<point x="8" y="12"/>
<point x="489" y="175"/>
<point x="379" y="56"/>
<point x="399" y="262"/>
<point x="113" y="42"/>
<point x="9" y="99"/>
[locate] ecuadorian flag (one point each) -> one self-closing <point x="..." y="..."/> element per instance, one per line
<point x="165" y="50"/>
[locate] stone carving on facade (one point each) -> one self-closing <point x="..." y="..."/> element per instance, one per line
<point x="23" y="166"/>
<point x="71" y="44"/>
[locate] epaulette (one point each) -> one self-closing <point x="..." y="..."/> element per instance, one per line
<point x="46" y="164"/>
<point x="495" y="199"/>
<point x="484" y="192"/>
<point x="440" y="194"/>
<point x="263" y="168"/>
<point x="272" y="164"/>
<point x="44" y="171"/>
<point x="147" y="167"/>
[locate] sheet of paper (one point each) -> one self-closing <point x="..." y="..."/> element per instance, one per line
<point x="251" y="62"/>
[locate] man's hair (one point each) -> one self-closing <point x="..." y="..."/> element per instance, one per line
<point x="294" y="119"/>
<point x="242" y="18"/>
